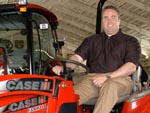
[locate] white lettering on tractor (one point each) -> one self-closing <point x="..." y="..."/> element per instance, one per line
<point x="37" y="108"/>
<point x="23" y="104"/>
<point x="27" y="104"/>
<point x="13" y="85"/>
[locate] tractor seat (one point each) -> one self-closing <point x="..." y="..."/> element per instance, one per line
<point x="136" y="78"/>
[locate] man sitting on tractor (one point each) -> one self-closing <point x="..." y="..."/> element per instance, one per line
<point x="112" y="57"/>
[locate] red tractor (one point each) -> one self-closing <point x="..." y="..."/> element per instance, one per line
<point x="28" y="49"/>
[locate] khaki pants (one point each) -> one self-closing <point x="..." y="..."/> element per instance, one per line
<point x="107" y="95"/>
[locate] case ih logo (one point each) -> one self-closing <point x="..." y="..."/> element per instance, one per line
<point x="27" y="104"/>
<point x="29" y="84"/>
<point x="23" y="84"/>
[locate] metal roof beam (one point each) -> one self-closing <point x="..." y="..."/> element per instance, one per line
<point x="138" y="4"/>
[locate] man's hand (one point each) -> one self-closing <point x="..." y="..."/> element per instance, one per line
<point x="57" y="69"/>
<point x="98" y="80"/>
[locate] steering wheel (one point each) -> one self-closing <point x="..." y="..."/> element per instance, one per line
<point x="67" y="73"/>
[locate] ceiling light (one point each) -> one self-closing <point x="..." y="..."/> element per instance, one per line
<point x="22" y="2"/>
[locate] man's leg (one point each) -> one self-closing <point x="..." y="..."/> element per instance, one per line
<point x="110" y="92"/>
<point x="86" y="89"/>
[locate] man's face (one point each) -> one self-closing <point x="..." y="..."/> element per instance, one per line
<point x="110" y="21"/>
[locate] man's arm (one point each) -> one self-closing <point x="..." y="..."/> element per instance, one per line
<point x="125" y="70"/>
<point x="77" y="58"/>
<point x="57" y="69"/>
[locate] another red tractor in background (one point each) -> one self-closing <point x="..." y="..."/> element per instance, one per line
<point x="28" y="49"/>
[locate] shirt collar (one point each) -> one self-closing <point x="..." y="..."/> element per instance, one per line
<point x="117" y="34"/>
